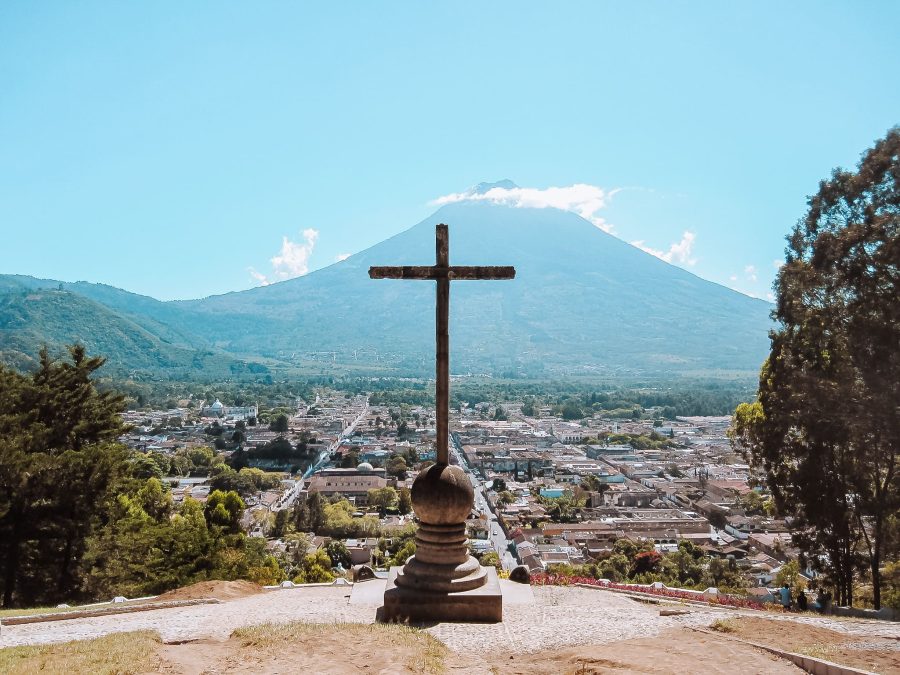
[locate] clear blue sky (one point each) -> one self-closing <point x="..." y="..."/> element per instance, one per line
<point x="168" y="147"/>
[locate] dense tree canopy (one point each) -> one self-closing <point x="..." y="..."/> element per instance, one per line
<point x="58" y="470"/>
<point x="826" y="426"/>
<point x="83" y="517"/>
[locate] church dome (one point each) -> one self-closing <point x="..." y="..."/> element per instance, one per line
<point x="365" y="466"/>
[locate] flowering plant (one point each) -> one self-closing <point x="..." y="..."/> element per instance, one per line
<point x="545" y="579"/>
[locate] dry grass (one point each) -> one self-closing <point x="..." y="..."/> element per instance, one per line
<point x="723" y="626"/>
<point x="117" y="653"/>
<point x="819" y="650"/>
<point x="33" y="610"/>
<point x="428" y="653"/>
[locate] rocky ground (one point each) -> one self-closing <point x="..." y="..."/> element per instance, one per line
<point x="559" y="629"/>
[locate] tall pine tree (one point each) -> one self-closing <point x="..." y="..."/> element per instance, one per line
<point x="58" y="468"/>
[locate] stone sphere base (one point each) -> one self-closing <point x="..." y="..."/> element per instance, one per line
<point x="442" y="498"/>
<point x="442" y="581"/>
<point x="442" y="495"/>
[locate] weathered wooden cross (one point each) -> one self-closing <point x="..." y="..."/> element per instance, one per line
<point x="443" y="273"/>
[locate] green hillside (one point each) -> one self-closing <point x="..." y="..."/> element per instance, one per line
<point x="163" y="319"/>
<point x="31" y="318"/>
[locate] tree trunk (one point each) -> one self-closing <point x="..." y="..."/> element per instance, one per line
<point x="878" y="538"/>
<point x="876" y="578"/>
<point x="12" y="560"/>
<point x="63" y="583"/>
<point x="848" y="574"/>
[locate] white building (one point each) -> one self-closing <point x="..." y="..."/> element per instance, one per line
<point x="217" y="409"/>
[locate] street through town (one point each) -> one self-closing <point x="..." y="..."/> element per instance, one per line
<point x="496" y="535"/>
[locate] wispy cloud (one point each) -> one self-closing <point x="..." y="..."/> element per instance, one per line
<point x="743" y="281"/>
<point x="680" y="252"/>
<point x="291" y="261"/>
<point x="585" y="200"/>
<point x="342" y="256"/>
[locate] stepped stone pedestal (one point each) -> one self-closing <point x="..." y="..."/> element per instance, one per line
<point x="442" y="582"/>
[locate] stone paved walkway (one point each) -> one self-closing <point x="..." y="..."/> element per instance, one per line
<point x="559" y="617"/>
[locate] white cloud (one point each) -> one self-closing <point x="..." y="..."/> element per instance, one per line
<point x="679" y="251"/>
<point x="342" y="256"/>
<point x="750" y="275"/>
<point x="777" y="263"/>
<point x="585" y="200"/>
<point x="292" y="261"/>
<point x="260" y="278"/>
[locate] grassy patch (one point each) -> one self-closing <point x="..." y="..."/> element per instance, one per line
<point x="820" y="650"/>
<point x="428" y="653"/>
<point x="723" y="626"/>
<point x="32" y="610"/>
<point x="116" y="653"/>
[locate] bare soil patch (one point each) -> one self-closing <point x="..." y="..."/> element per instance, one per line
<point x="221" y="590"/>
<point x="878" y="654"/>
<point x="676" y="651"/>
<point x="341" y="649"/>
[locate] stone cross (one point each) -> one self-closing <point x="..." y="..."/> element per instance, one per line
<point x="443" y="273"/>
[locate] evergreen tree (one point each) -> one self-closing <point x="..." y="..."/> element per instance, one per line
<point x="58" y="471"/>
<point x="826" y="427"/>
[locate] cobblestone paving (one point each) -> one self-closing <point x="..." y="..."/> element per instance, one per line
<point x="314" y="604"/>
<point x="559" y="617"/>
<point x="861" y="627"/>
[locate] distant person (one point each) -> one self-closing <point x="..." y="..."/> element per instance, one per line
<point x="802" y="601"/>
<point x="785" y="593"/>
<point x="824" y="600"/>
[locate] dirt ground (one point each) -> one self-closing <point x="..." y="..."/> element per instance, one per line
<point x="322" y="657"/>
<point x="676" y="651"/>
<point x="880" y="655"/>
<point x="343" y="649"/>
<point x="348" y="644"/>
<point x="351" y="648"/>
<point x="366" y="652"/>
<point x="222" y="590"/>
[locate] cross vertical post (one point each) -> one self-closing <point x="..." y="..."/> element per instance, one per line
<point x="443" y="274"/>
<point x="442" y="342"/>
<point x="442" y="581"/>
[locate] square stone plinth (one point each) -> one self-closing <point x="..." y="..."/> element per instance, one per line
<point x="483" y="604"/>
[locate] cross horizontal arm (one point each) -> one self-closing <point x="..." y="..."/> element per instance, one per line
<point x="407" y="272"/>
<point x="455" y="273"/>
<point x="465" y="272"/>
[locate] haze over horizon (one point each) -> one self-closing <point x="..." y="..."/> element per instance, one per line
<point x="201" y="149"/>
